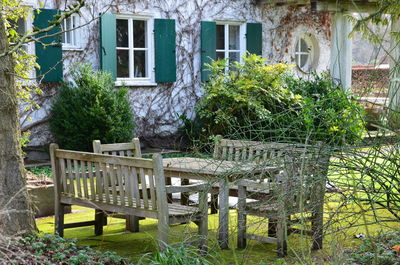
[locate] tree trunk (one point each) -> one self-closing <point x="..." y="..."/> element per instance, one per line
<point x="16" y="216"/>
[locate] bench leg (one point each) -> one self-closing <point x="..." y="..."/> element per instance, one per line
<point x="184" y="196"/>
<point x="317" y="223"/>
<point x="59" y="219"/>
<point x="272" y="227"/>
<point x="132" y="223"/>
<point x="281" y="236"/>
<point x="99" y="219"/>
<point x="168" y="181"/>
<point x="203" y="222"/>
<point x="163" y="232"/>
<point x="242" y="223"/>
<point x="214" y="203"/>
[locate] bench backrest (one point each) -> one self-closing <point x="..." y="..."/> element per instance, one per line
<point x="115" y="180"/>
<point x="242" y="150"/>
<point x="301" y="181"/>
<point x="131" y="149"/>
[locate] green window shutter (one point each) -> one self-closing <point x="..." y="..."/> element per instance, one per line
<point x="165" y="50"/>
<point x="108" y="44"/>
<point x="254" y="38"/>
<point x="208" y="47"/>
<point x="49" y="58"/>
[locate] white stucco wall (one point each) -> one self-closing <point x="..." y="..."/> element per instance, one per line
<point x="157" y="108"/>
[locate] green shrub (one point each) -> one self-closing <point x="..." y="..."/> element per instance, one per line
<point x="90" y="108"/>
<point x="52" y="249"/>
<point x="264" y="102"/>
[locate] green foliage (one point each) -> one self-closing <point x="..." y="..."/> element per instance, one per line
<point x="52" y="249"/>
<point x="377" y="250"/>
<point x="328" y="113"/>
<point x="264" y="102"/>
<point x="89" y="108"/>
<point x="175" y="255"/>
<point x="41" y="172"/>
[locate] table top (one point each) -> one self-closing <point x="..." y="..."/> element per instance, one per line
<point x="213" y="167"/>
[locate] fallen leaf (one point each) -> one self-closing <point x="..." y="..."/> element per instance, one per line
<point x="396" y="247"/>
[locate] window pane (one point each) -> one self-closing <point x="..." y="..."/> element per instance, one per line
<point x="68" y="27"/>
<point x="303" y="60"/>
<point x="122" y="63"/>
<point x="234" y="57"/>
<point x="234" y="37"/>
<point x="122" y="33"/>
<point x="21" y="26"/>
<point x="220" y="37"/>
<point x="140" y="63"/>
<point x="139" y="34"/>
<point x="303" y="45"/>
<point x="220" y="55"/>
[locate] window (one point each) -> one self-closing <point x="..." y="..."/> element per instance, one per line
<point x="133" y="50"/>
<point x="229" y="42"/>
<point x="70" y="36"/>
<point x="306" y="53"/>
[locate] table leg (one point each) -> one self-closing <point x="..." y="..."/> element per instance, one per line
<point x="223" y="229"/>
<point x="169" y="195"/>
<point x="184" y="196"/>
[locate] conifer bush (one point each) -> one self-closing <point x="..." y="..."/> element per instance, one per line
<point x="90" y="108"/>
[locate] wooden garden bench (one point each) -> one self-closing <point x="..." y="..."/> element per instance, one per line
<point x="269" y="154"/>
<point x="85" y="179"/>
<point x="298" y="189"/>
<point x="130" y="149"/>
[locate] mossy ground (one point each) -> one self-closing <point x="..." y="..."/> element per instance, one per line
<point x="135" y="245"/>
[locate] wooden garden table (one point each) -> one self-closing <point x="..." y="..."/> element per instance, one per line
<point x="214" y="171"/>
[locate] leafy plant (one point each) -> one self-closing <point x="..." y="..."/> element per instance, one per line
<point x="377" y="250"/>
<point x="88" y="108"/>
<point x="264" y="102"/>
<point x="52" y="249"/>
<point x="175" y="255"/>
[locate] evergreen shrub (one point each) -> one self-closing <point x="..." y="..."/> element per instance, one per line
<point x="90" y="108"/>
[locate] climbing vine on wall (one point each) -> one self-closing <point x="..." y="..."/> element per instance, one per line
<point x="157" y="108"/>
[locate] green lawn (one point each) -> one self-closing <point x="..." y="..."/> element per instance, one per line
<point x="134" y="245"/>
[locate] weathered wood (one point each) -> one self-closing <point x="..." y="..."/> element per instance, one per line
<point x="79" y="224"/>
<point x="85" y="180"/>
<point x="99" y="222"/>
<point x="122" y="181"/>
<point x="58" y="208"/>
<point x="163" y="224"/>
<point x="223" y="228"/>
<point x="187" y="188"/>
<point x="241" y="217"/>
<point x="123" y="161"/>
<point x="298" y="189"/>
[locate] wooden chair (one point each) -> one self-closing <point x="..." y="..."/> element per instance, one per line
<point x="245" y="151"/>
<point x="131" y="149"/>
<point x="85" y="179"/>
<point x="298" y="189"/>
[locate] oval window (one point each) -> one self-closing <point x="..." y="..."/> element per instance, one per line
<point x="306" y="53"/>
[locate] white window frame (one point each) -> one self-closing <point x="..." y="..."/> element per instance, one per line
<point x="139" y="81"/>
<point x="75" y="33"/>
<point x="313" y="52"/>
<point x="242" y="38"/>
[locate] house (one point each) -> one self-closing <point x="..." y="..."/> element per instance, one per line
<point x="158" y="48"/>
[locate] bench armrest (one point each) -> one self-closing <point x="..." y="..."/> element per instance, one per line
<point x="188" y="188"/>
